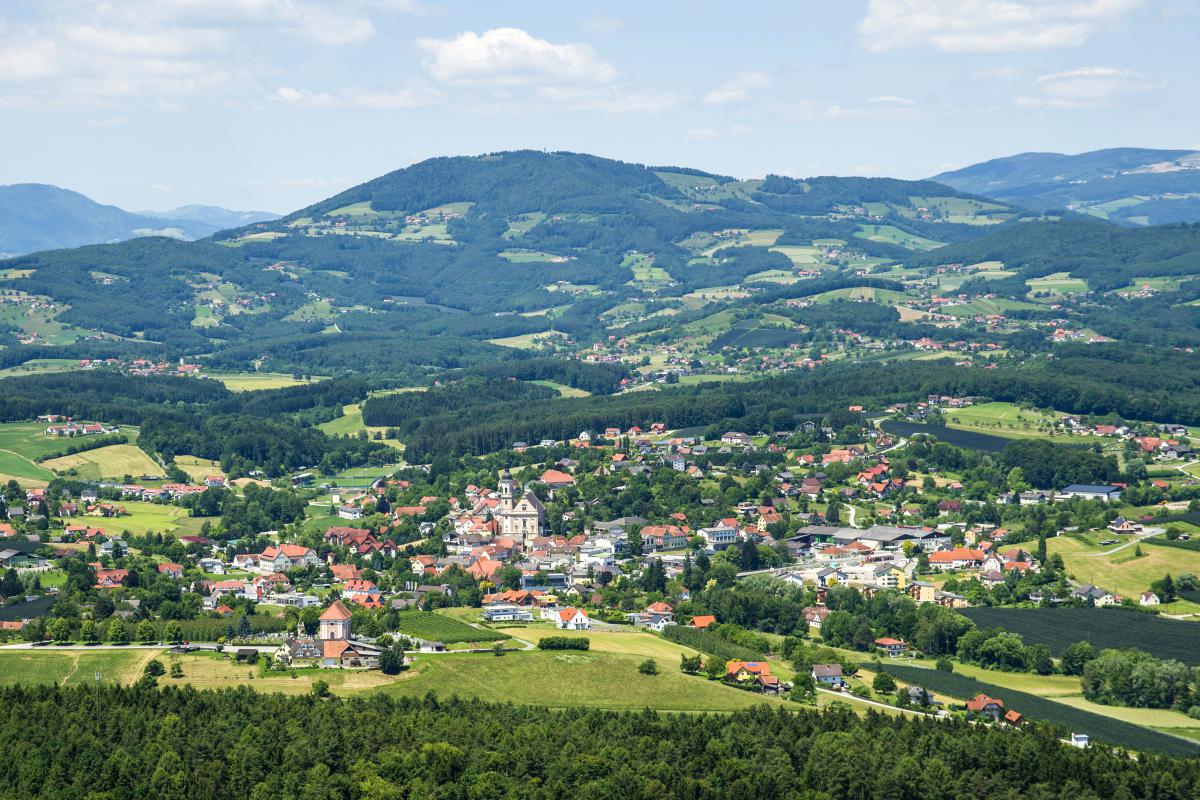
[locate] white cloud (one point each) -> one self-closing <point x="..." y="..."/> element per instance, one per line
<point x="610" y="99"/>
<point x="162" y="188"/>
<point x="165" y="52"/>
<point x="702" y="134"/>
<point x="891" y="100"/>
<point x="738" y="88"/>
<point x="27" y="61"/>
<point x="983" y="26"/>
<point x="510" y="56"/>
<point x="359" y="98"/>
<point x="1085" y="87"/>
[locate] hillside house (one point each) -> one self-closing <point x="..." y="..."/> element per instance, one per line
<point x="986" y="706"/>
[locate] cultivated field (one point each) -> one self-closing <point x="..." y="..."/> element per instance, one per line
<point x="113" y="461"/>
<point x="71" y="667"/>
<point x="436" y="627"/>
<point x="1103" y="627"/>
<point x="251" y="381"/>
<point x="1103" y="727"/>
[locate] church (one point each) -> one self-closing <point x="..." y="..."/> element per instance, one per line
<point x="523" y="516"/>
<point x="337" y="648"/>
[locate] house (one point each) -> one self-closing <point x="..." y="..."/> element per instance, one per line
<point x="1090" y="491"/>
<point x="572" y="619"/>
<point x="281" y="558"/>
<point x="1079" y="740"/>
<point x="506" y="612"/>
<point x="1148" y="599"/>
<point x="1014" y="718"/>
<point x="828" y="675"/>
<point x="752" y="672"/>
<point x="892" y="648"/>
<point x="299" y="650"/>
<point x="1122" y="525"/>
<point x="171" y="570"/>
<point x="986" y="706"/>
<point x="554" y="479"/>
<point x="957" y="558"/>
<point x="1094" y="595"/>
<point x="350" y="512"/>
<point x="702" y="621"/>
<point x="213" y="566"/>
<point x="815" y="615"/>
<point x="664" y="537"/>
<point x="111" y="578"/>
<point x="719" y="536"/>
<point x="736" y="438"/>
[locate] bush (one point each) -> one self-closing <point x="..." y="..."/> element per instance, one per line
<point x="944" y="664"/>
<point x="153" y="667"/>
<point x="883" y="683"/>
<point x="648" y="667"/>
<point x="689" y="665"/>
<point x="564" y="643"/>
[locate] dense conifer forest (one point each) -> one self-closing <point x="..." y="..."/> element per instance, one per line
<point x="173" y="744"/>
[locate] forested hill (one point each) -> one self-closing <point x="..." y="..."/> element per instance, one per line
<point x="1104" y="255"/>
<point x="1128" y="185"/>
<point x="422" y="269"/>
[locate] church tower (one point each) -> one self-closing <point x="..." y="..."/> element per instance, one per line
<point x="335" y="623"/>
<point x="507" y="487"/>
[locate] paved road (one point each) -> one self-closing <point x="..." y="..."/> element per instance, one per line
<point x="1136" y="538"/>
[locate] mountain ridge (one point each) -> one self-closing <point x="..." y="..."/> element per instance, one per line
<point x="1126" y="185"/>
<point x="40" y="216"/>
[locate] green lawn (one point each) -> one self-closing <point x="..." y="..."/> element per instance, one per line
<point x="1057" y="284"/>
<point x="351" y="423"/>
<point x="143" y="518"/>
<point x="40" y="366"/>
<point x="1124" y="572"/>
<point x="251" y="381"/>
<point x="563" y="389"/>
<point x="890" y="234"/>
<point x="564" y="679"/>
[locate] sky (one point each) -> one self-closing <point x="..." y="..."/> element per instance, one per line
<point x="275" y="104"/>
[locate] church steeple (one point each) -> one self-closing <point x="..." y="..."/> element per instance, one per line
<point x="507" y="485"/>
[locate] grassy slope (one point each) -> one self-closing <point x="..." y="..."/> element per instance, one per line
<point x="1124" y="572"/>
<point x="113" y="461"/>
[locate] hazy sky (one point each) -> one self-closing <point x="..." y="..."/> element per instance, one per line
<point x="274" y="104"/>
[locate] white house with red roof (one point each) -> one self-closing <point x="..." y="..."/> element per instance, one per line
<point x="572" y="619"/>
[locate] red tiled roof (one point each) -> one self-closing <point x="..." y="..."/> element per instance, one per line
<point x="336" y="611"/>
